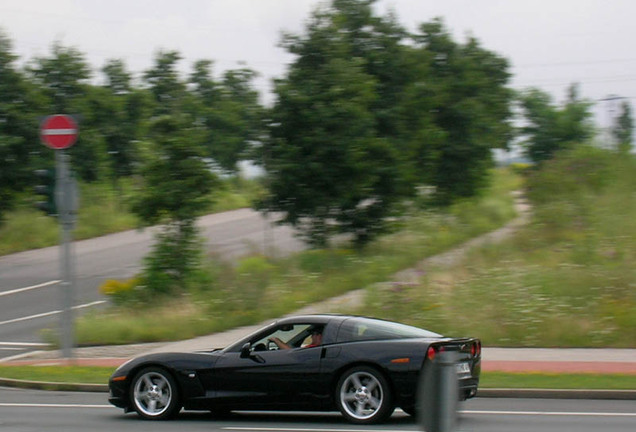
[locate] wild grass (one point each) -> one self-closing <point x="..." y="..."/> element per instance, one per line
<point x="565" y="280"/>
<point x="258" y="288"/>
<point x="557" y="381"/>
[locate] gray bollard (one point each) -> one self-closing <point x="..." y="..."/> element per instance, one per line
<point x="438" y="394"/>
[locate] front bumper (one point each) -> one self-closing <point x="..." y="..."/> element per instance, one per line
<point x="118" y="394"/>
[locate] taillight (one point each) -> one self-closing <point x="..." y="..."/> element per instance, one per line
<point x="475" y="349"/>
<point x="431" y="353"/>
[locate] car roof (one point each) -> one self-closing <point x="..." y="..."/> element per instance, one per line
<point x="312" y="318"/>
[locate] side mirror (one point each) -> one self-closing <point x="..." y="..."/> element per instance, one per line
<point x="245" y="350"/>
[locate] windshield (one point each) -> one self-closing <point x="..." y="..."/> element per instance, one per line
<point x="356" y="329"/>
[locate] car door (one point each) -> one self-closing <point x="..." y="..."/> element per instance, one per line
<point x="270" y="378"/>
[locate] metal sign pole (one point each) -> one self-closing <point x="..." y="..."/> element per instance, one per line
<point x="64" y="191"/>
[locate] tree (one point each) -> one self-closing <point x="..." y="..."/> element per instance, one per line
<point x="328" y="171"/>
<point x="19" y="141"/>
<point x="63" y="76"/>
<point x="623" y="128"/>
<point x="230" y="111"/>
<point x="468" y="116"/>
<point x="117" y="77"/>
<point x="381" y="42"/>
<point x="121" y="115"/>
<point x="166" y="87"/>
<point x="176" y="188"/>
<point x="549" y="129"/>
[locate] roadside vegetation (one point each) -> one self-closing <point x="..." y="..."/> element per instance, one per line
<point x="567" y="279"/>
<point x="378" y="135"/>
<point x="256" y="288"/>
<point x="100" y="375"/>
<point x="564" y="280"/>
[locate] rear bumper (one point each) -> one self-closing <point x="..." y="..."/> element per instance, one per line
<point x="468" y="388"/>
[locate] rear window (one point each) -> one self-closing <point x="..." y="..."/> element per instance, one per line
<point x="359" y="329"/>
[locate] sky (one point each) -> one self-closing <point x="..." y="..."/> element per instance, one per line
<point x="549" y="43"/>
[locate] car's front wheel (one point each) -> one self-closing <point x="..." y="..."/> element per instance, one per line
<point x="364" y="396"/>
<point x="154" y="394"/>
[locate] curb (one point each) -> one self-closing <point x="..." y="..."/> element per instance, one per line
<point x="557" y="394"/>
<point x="43" y="385"/>
<point x="483" y="392"/>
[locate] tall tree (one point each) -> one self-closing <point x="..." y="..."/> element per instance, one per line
<point x="19" y="143"/>
<point x="381" y="41"/>
<point x="64" y="77"/>
<point x="121" y="115"/>
<point x="470" y="113"/>
<point x="623" y="129"/>
<point x="176" y="188"/>
<point x="231" y="113"/>
<point x="118" y="79"/>
<point x="165" y="84"/>
<point x="549" y="129"/>
<point x="328" y="170"/>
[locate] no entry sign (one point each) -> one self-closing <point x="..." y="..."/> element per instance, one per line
<point x="58" y="131"/>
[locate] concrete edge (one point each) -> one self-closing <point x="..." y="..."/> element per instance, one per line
<point x="482" y="392"/>
<point x="53" y="386"/>
<point x="557" y="393"/>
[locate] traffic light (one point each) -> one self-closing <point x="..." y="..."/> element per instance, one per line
<point x="46" y="188"/>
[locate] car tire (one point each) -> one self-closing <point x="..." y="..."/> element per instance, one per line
<point x="154" y="394"/>
<point x="363" y="396"/>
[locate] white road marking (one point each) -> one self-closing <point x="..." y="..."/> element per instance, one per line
<point x="20" y="346"/>
<point x="552" y="413"/>
<point x="274" y="429"/>
<point x="307" y="429"/>
<point x="35" y="405"/>
<point x="515" y="413"/>
<point x="29" y="288"/>
<point x="55" y="312"/>
<point x="19" y="356"/>
<point x="24" y="344"/>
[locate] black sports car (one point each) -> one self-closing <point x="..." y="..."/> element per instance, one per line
<point x="363" y="367"/>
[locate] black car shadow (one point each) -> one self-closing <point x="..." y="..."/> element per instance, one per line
<point x="241" y="418"/>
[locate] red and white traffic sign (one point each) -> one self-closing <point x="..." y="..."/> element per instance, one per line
<point x="59" y="131"/>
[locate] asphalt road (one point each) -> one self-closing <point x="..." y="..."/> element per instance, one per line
<point x="30" y="292"/>
<point x="60" y="411"/>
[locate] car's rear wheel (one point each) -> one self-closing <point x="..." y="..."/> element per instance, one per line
<point x="154" y="394"/>
<point x="363" y="395"/>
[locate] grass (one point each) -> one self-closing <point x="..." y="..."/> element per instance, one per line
<point x="565" y="280"/>
<point x="58" y="374"/>
<point x="258" y="288"/>
<point x="100" y="375"/>
<point x="557" y="381"/>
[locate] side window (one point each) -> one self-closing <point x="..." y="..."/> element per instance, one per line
<point x="359" y="329"/>
<point x="291" y="335"/>
<point x="352" y="330"/>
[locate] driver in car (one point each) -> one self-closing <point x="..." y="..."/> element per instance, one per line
<point x="316" y="340"/>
